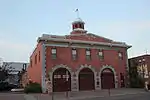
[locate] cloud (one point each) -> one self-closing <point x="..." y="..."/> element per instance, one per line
<point x="14" y="51"/>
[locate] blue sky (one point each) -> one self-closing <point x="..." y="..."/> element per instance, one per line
<point x="22" y="21"/>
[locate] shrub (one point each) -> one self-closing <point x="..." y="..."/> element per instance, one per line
<point x="33" y="88"/>
<point x="137" y="82"/>
<point x="4" y="86"/>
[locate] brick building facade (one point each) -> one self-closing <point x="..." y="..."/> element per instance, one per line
<point x="142" y="63"/>
<point x="79" y="61"/>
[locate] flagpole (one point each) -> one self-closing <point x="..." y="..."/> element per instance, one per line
<point x="77" y="11"/>
<point x="146" y="51"/>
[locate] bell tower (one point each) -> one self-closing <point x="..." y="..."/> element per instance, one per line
<point x="78" y="25"/>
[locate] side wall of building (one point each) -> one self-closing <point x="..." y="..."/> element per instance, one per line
<point x="35" y="68"/>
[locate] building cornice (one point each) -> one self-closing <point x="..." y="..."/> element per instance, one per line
<point x="84" y="42"/>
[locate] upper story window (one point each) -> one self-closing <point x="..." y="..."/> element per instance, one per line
<point x="75" y="26"/>
<point x="101" y="54"/>
<point x="120" y="54"/>
<point x="31" y="63"/>
<point x="39" y="56"/>
<point x="54" y="53"/>
<point x="35" y="59"/>
<point x="88" y="54"/>
<point x="74" y="54"/>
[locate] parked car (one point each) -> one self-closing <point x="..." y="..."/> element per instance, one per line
<point x="17" y="90"/>
<point x="5" y="86"/>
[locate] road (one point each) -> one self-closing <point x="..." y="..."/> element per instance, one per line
<point x="141" y="96"/>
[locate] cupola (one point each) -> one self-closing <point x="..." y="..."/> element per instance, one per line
<point x="78" y="26"/>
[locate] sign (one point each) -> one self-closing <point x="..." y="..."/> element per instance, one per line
<point x="67" y="76"/>
<point x="107" y="71"/>
<point x="57" y="76"/>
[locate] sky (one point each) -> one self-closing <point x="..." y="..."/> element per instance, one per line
<point x="23" y="21"/>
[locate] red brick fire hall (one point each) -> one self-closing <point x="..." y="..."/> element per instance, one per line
<point x="78" y="61"/>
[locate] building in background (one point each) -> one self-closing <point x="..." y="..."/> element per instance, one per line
<point x="141" y="65"/>
<point x="23" y="78"/>
<point x="79" y="61"/>
<point x="1" y="62"/>
<point x="14" y="68"/>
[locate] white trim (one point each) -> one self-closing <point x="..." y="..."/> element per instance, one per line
<point x="78" y="20"/>
<point x="113" y="70"/>
<point x="75" y="35"/>
<point x="79" y="29"/>
<point x="127" y="70"/>
<point x="43" y="77"/>
<point x="85" y="66"/>
<point x="84" y="42"/>
<point x="61" y="66"/>
<point x="57" y="45"/>
<point x="82" y="46"/>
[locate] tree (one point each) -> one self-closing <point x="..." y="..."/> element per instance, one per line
<point x="4" y="73"/>
<point x="135" y="80"/>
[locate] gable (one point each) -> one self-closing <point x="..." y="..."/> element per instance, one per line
<point x="89" y="37"/>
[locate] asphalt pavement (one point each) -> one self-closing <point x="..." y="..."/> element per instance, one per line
<point x="124" y="94"/>
<point x="140" y="96"/>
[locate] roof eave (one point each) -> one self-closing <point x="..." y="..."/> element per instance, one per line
<point x="80" y="41"/>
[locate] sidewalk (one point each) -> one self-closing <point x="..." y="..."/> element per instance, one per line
<point x="87" y="94"/>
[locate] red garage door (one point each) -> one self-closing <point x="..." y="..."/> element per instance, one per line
<point x="107" y="79"/>
<point x="86" y="79"/>
<point x="61" y="80"/>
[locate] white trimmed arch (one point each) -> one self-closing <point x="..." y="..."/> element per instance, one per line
<point x="55" y="68"/>
<point x="60" y="66"/>
<point x="82" y="67"/>
<point x="108" y="67"/>
<point x="113" y="70"/>
<point x="85" y="66"/>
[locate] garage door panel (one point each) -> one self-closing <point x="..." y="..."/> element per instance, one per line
<point x="86" y="80"/>
<point x="107" y="80"/>
<point x="60" y="83"/>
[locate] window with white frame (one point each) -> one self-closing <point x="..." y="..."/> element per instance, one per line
<point x="54" y="53"/>
<point x="120" y="54"/>
<point x="88" y="54"/>
<point x="74" y="54"/>
<point x="101" y="54"/>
